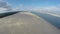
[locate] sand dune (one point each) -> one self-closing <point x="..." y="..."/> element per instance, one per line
<point x="26" y="23"/>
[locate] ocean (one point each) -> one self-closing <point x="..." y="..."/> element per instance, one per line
<point x="51" y="19"/>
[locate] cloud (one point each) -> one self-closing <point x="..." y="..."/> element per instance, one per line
<point x="3" y="9"/>
<point x="39" y="9"/>
<point x="49" y="9"/>
<point x="4" y="6"/>
<point x="20" y="7"/>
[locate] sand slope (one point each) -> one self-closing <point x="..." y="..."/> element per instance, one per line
<point x="26" y="23"/>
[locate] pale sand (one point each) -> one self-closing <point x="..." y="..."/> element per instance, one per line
<point x="26" y="23"/>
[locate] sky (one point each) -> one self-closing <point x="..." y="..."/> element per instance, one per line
<point x="36" y="3"/>
<point x="32" y="5"/>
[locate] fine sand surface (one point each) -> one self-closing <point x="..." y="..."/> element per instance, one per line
<point x="26" y="23"/>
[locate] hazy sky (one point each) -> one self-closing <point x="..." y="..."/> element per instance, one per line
<point x="34" y="4"/>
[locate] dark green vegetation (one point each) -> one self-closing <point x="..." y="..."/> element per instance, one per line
<point x="7" y="14"/>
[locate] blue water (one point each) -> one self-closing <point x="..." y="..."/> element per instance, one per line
<point x="51" y="19"/>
